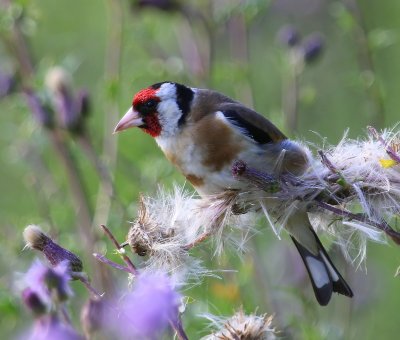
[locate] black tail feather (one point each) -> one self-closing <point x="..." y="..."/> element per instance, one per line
<point x="325" y="278"/>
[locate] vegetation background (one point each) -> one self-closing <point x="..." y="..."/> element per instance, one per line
<point x="113" y="48"/>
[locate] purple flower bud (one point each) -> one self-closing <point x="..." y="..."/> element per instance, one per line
<point x="49" y="327"/>
<point x="312" y="47"/>
<point x="33" y="302"/>
<point x="67" y="108"/>
<point x="40" y="112"/>
<point x="36" y="239"/>
<point x="147" y="310"/>
<point x="289" y="36"/>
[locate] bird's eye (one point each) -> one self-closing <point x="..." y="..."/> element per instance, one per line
<point x="150" y="104"/>
<point x="148" y="107"/>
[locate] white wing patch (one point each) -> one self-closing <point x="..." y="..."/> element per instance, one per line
<point x="318" y="272"/>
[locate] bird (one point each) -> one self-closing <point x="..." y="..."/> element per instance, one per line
<point x="203" y="132"/>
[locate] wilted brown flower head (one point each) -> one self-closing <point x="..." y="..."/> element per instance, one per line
<point x="245" y="327"/>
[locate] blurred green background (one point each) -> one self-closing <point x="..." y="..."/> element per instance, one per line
<point x="114" y="48"/>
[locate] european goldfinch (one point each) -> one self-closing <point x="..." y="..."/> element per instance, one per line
<point x="203" y="132"/>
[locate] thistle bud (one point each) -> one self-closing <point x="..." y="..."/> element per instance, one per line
<point x="289" y="36"/>
<point x="58" y="80"/>
<point x="139" y="237"/>
<point x="68" y="108"/>
<point x="35" y="238"/>
<point x="312" y="47"/>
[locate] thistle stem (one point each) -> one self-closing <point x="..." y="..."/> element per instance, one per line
<point x="105" y="260"/>
<point x="177" y="326"/>
<point x="132" y="268"/>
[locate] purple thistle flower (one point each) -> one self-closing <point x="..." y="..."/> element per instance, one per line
<point x="57" y="279"/>
<point x="147" y="310"/>
<point x="35" y="280"/>
<point x="49" y="327"/>
<point x="45" y="281"/>
<point x="33" y="302"/>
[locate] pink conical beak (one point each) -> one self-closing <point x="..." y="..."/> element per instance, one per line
<point x="130" y="119"/>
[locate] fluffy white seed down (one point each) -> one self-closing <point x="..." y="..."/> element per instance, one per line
<point x="175" y="221"/>
<point x="171" y="223"/>
<point x="363" y="164"/>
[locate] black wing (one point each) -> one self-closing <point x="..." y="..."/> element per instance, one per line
<point x="254" y="125"/>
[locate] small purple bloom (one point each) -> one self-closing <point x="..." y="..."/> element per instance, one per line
<point x="147" y="310"/>
<point x="33" y="302"/>
<point x="35" y="280"/>
<point x="57" y="279"/>
<point x="43" y="281"/>
<point x="49" y="327"/>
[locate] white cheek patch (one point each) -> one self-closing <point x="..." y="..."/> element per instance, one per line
<point x="169" y="115"/>
<point x="168" y="109"/>
<point x="166" y="91"/>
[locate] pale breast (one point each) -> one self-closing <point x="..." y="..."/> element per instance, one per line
<point x="204" y="153"/>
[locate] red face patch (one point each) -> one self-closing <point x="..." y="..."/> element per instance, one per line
<point x="153" y="127"/>
<point x="144" y="95"/>
<point x="145" y="102"/>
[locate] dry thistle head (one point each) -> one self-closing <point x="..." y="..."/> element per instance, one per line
<point x="35" y="238"/>
<point x="245" y="327"/>
<point x="137" y="237"/>
<point x="145" y="231"/>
